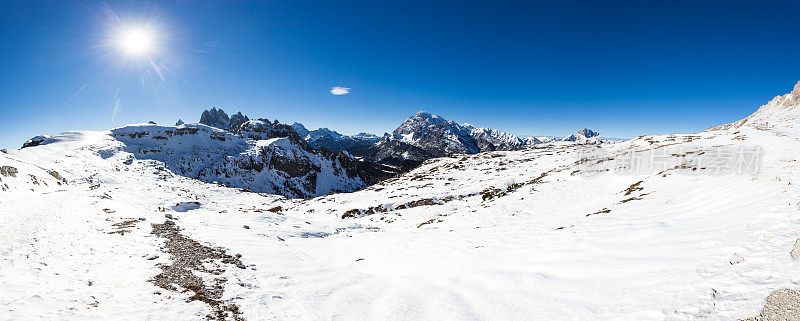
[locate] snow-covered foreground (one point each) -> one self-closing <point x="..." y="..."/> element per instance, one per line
<point x="558" y="233"/>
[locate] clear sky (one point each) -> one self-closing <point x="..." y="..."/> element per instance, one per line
<point x="624" y="68"/>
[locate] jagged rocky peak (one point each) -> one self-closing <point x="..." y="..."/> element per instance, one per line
<point x="419" y="121"/>
<point x="437" y="135"/>
<point x="781" y="111"/>
<point x="215" y="118"/>
<point x="300" y="129"/>
<point x="219" y="119"/>
<point x="323" y="132"/>
<point x="440" y="136"/>
<point x="237" y="120"/>
<point x="587" y="133"/>
<point x="179" y="122"/>
<point x="584" y="136"/>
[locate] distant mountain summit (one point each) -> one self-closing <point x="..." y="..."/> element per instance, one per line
<point x="584" y="136"/>
<point x="436" y="135"/>
<point x="332" y="140"/>
<point x="424" y="136"/>
<point x="439" y="136"/>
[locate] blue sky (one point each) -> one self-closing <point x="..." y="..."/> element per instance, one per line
<point x="624" y="68"/>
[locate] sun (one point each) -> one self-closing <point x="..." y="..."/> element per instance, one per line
<point x="136" y="42"/>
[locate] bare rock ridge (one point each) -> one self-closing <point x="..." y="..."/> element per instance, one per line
<point x="219" y="119"/>
<point x="781" y="111"/>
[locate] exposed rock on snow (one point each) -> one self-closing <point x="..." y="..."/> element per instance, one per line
<point x="186" y="206"/>
<point x="782" y="305"/>
<point x="36" y="141"/>
<point x="796" y="250"/>
<point x="189" y="257"/>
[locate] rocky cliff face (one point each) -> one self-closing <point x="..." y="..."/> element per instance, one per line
<point x="275" y="165"/>
<point x="219" y="119"/>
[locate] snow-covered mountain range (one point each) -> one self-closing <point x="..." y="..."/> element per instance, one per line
<point x="440" y="137"/>
<point x="421" y="137"/>
<point x="424" y="136"/>
<point x="332" y="140"/>
<point x="269" y="162"/>
<point x="146" y="222"/>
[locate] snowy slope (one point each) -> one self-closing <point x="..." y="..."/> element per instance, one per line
<point x="500" y="235"/>
<point x="657" y="228"/>
<point x="781" y="111"/>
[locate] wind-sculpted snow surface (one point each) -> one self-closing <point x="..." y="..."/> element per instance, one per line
<point x="271" y="165"/>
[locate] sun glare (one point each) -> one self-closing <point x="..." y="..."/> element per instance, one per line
<point x="136" y="42"/>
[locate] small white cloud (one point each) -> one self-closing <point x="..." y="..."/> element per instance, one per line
<point x="338" y="91"/>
